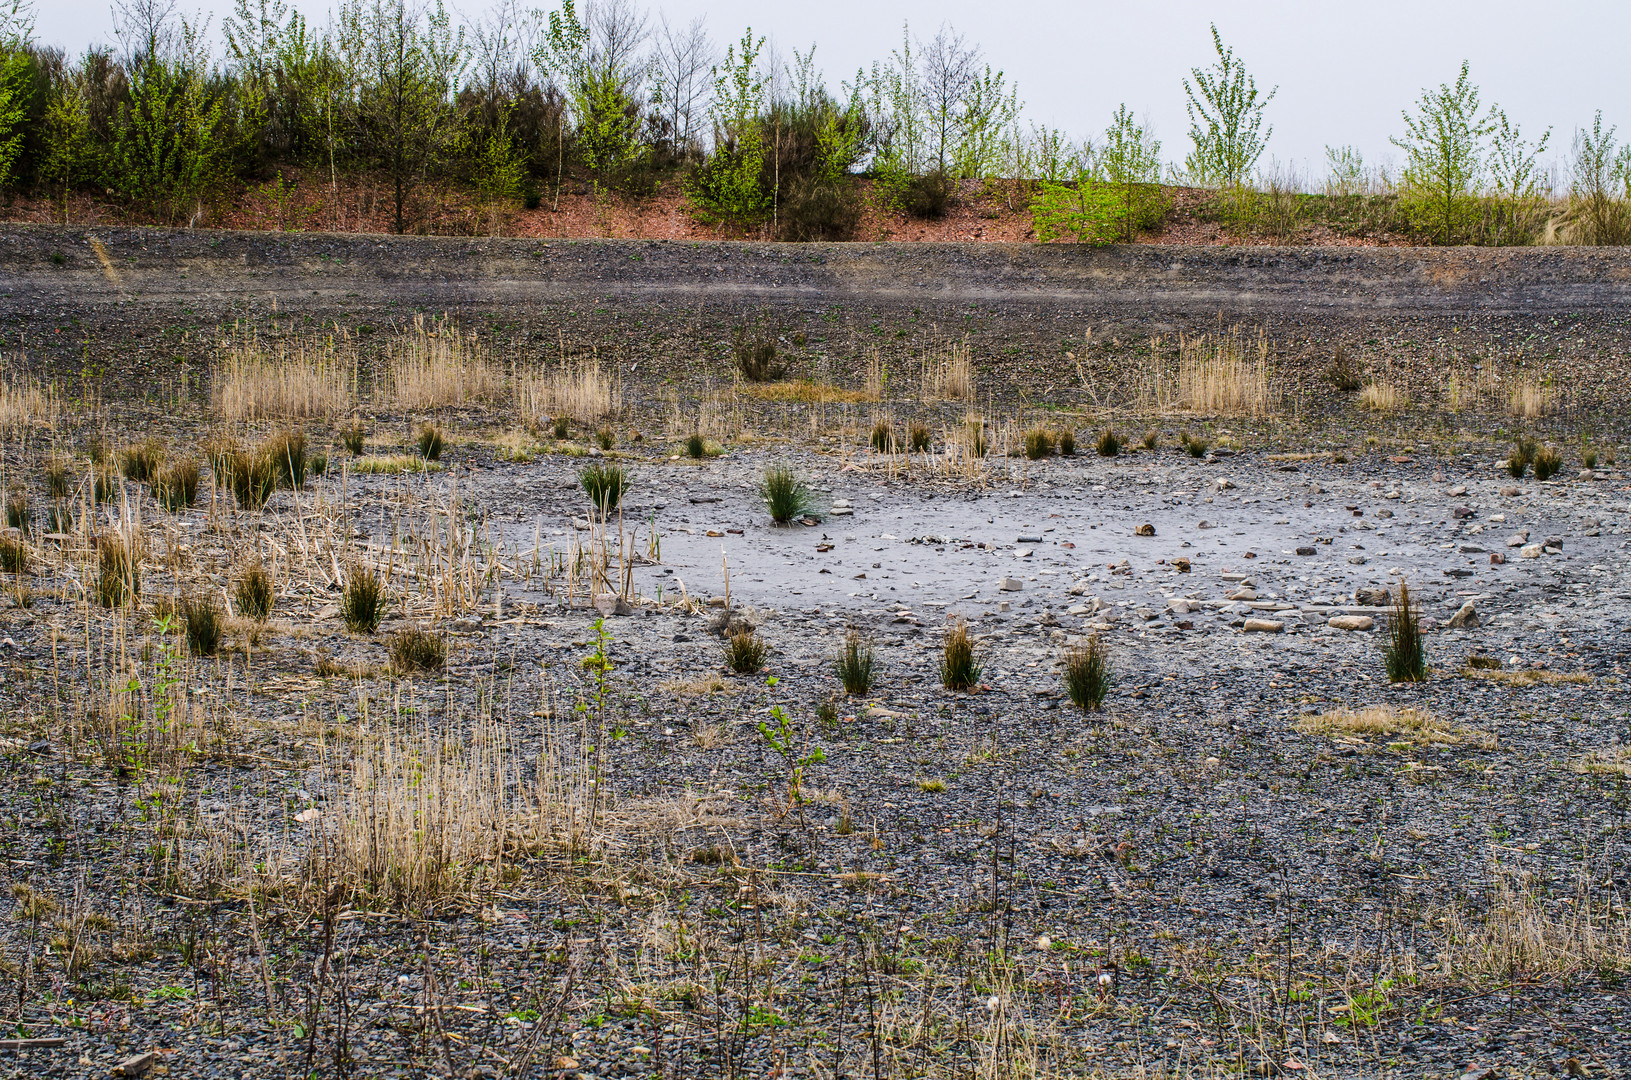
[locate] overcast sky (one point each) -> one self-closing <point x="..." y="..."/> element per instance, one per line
<point x="1344" y="71"/>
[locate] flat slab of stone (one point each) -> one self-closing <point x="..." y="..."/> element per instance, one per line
<point x="1263" y="626"/>
<point x="1350" y="622"/>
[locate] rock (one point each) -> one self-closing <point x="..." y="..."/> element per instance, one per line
<point x="136" y="1064"/>
<point x="1305" y="551"/>
<point x="1472" y="549"/>
<point x="1358" y="560"/>
<point x="1458" y="491"/>
<point x="1496" y="558"/>
<point x="1465" y="618"/>
<point x="1350" y="622"/>
<point x="1028" y="540"/>
<point x="1081" y="588"/>
<point x="1263" y="626"/>
<point x="1511" y="492"/>
<point x="1373" y="597"/>
<point x="841" y="511"/>
<point x="1243" y="594"/>
<point x="1078" y="610"/>
<point x="1479" y="1072"/>
<point x="1553" y="542"/>
<point x="1183" y="606"/>
<point x="609" y="606"/>
<point x="1586" y="474"/>
<point x="1499" y="519"/>
<point x="1529" y="551"/>
<point x="1145" y="529"/>
<point x="1181" y="565"/>
<point x="1225" y="484"/>
<point x="1462" y="512"/>
<point x="1518" y="539"/>
<point x="1009" y="584"/>
<point x="716" y="601"/>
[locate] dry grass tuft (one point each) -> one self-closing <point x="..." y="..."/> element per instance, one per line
<point x="413" y="650"/>
<point x="804" y="391"/>
<point x="1525" y="930"/>
<point x="1531" y="399"/>
<point x="1221" y="375"/>
<point x="436" y="366"/>
<point x="948" y="375"/>
<point x="1383" y="397"/>
<point x="1609" y="761"/>
<point x="288" y="381"/>
<point x="23" y="403"/>
<point x="1408" y="724"/>
<point x="1526" y="676"/>
<point x="582" y="391"/>
<point x="385" y="464"/>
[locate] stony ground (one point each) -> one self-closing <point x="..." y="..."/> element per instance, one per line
<point x="917" y="882"/>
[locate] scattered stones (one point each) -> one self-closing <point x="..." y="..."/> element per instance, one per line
<point x="1465" y="618"/>
<point x="1263" y="626"/>
<point x="1350" y="622"/>
<point x="1518" y="539"/>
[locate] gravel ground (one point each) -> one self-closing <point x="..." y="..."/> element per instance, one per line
<point x="987" y="883"/>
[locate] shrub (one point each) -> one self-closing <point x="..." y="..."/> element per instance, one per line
<point x="431" y="442"/>
<point x="141" y="462"/>
<point x="745" y="652"/>
<point x="755" y="357"/>
<point x="1405" y="654"/>
<point x="1038" y="443"/>
<point x="605" y="438"/>
<point x="958" y="668"/>
<point x="58" y="479"/>
<point x="605" y="485"/>
<point x="883" y="437"/>
<point x="784" y="493"/>
<point x="1196" y="445"/>
<point x="413" y="649"/>
<point x="13" y="555"/>
<point x="696" y="447"/>
<point x="1109" y="444"/>
<point x="253" y="592"/>
<point x="201" y="618"/>
<point x="1588" y="458"/>
<point x="1152" y="439"/>
<point x="1343" y="373"/>
<point x="1547" y="462"/>
<point x="252" y="476"/>
<point x="918" y="438"/>
<point x="18" y="513"/>
<point x="1526" y="448"/>
<point x="176" y="486"/>
<point x="353" y="437"/>
<point x="118" y="572"/>
<point x="814" y="209"/>
<point x="927" y="196"/>
<point x="363" y="603"/>
<point x="1067" y="443"/>
<point x="1516" y="465"/>
<point x="854" y="664"/>
<point x="563" y="427"/>
<point x="1087" y="674"/>
<point x="287" y="451"/>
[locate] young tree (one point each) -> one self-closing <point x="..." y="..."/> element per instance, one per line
<point x="1225" y="120"/>
<point x="730" y="185"/>
<point x="1130" y="161"/>
<point x="680" y="62"/>
<point x="16" y="82"/>
<point x="596" y="60"/>
<point x="1600" y="185"/>
<point x="1443" y="147"/>
<point x="951" y="70"/>
<point x="1517" y="183"/>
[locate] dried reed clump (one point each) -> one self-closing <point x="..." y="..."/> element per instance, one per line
<point x="431" y="442"/>
<point x="958" y="668"/>
<point x="883" y="436"/>
<point x="753" y="353"/>
<point x="286" y="381"/>
<point x="287" y="452"/>
<point x="1526" y="929"/>
<point x="118" y="571"/>
<point x="1223" y="375"/>
<point x="353" y="436"/>
<point x="435" y="366"/>
<point x="1038" y="443"/>
<point x="1530" y="399"/>
<point x="13" y="555"/>
<point x="1383" y="397"/>
<point x="1547" y="462"/>
<point x="413" y="649"/>
<point x="176" y="485"/>
<point x="805" y="392"/>
<point x="201" y="619"/>
<point x="948" y="375"/>
<point x="19" y="513"/>
<point x="23" y="403"/>
<point x="917" y="437"/>
<point x="582" y="391"/>
<point x="363" y="601"/>
<point x="251" y="476"/>
<point x="253" y="592"/>
<point x="140" y="462"/>
<point x="59" y="479"/>
<point x="1404" y="723"/>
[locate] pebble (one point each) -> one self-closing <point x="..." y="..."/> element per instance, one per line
<point x="1518" y="539"/>
<point x="1529" y="551"/>
<point x="1350" y="622"/>
<point x="1263" y="626"/>
<point x="1465" y="618"/>
<point x="1009" y="584"/>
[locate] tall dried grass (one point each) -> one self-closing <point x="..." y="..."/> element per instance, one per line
<point x="435" y="365"/>
<point x="1530" y="399"/>
<point x="288" y="380"/>
<point x="1383" y="397"/>
<point x="23" y="402"/>
<point x="584" y="391"/>
<point x="948" y="375"/>
<point x="1522" y="932"/>
<point x="1225" y="375"/>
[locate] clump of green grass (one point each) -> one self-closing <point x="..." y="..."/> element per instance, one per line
<point x="605" y="485"/>
<point x="102" y="482"/>
<point x="253" y="592"/>
<point x="18" y="512"/>
<point x="605" y="438"/>
<point x="390" y="464"/>
<point x="1483" y="663"/>
<point x="883" y="437"/>
<point x="1067" y="443"/>
<point x="1588" y="458"/>
<point x="413" y="649"/>
<point x="745" y="652"/>
<point x="1516" y="465"/>
<point x="118" y="571"/>
<point x="696" y="447"/>
<point x="201" y="618"/>
<point x="1526" y="447"/>
<point x="363" y="602"/>
<point x="1547" y="462"/>
<point x="562" y="427"/>
<point x="13" y="555"/>
<point x="176" y="486"/>
<point x="252" y="476"/>
<point x="854" y="665"/>
<point x="141" y="461"/>
<point x="1038" y="443"/>
<point x="431" y="442"/>
<point x="1088" y="676"/>
<point x="287" y="451"/>
<point x="1195" y="445"/>
<point x="1109" y="444"/>
<point x="1151" y="440"/>
<point x="59" y="477"/>
<point x="319" y="463"/>
<point x="958" y="668"/>
<point x="1405" y="655"/>
<point x="353" y="437"/>
<point x="917" y="437"/>
<point x="785" y="494"/>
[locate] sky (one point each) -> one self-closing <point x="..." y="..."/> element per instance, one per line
<point x="1343" y="71"/>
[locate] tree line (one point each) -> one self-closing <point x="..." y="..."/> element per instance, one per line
<point x="516" y="105"/>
